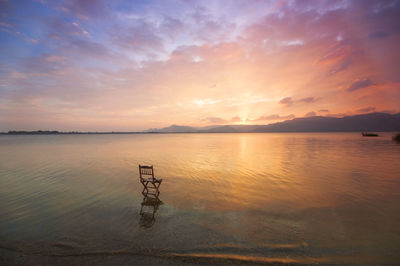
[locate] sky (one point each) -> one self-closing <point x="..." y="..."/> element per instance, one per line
<point x="112" y="65"/>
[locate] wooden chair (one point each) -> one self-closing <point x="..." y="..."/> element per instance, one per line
<point x="149" y="182"/>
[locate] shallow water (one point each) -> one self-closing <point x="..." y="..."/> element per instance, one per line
<point x="287" y="197"/>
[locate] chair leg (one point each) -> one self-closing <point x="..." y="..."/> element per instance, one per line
<point x="151" y="185"/>
<point x="145" y="190"/>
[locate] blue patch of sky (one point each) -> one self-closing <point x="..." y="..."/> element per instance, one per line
<point x="27" y="29"/>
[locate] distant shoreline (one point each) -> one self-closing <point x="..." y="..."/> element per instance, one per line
<point x="23" y="133"/>
<point x="54" y="132"/>
<point x="372" y="122"/>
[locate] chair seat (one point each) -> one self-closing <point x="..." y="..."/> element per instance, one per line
<point x="152" y="181"/>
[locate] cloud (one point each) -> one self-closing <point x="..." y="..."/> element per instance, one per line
<point x="88" y="9"/>
<point x="366" y="110"/>
<point x="201" y="102"/>
<point x="339" y="56"/>
<point x="274" y="117"/>
<point x="45" y="64"/>
<point x="310" y="114"/>
<point x="213" y="120"/>
<point x="72" y="39"/>
<point x="6" y="25"/>
<point x="236" y="119"/>
<point x="85" y="48"/>
<point x="287" y="101"/>
<point x="64" y="30"/>
<point x="323" y="111"/>
<point x="360" y="84"/>
<point x="18" y="75"/>
<point x="210" y="28"/>
<point x="5" y="6"/>
<point x="379" y="34"/>
<point x="140" y="35"/>
<point x="172" y="27"/>
<point x="308" y="99"/>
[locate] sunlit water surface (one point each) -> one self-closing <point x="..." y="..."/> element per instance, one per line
<point x="320" y="197"/>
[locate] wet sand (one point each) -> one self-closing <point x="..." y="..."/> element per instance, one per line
<point x="11" y="257"/>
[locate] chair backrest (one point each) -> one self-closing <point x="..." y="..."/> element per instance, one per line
<point x="146" y="171"/>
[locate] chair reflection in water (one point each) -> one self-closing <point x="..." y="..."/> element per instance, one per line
<point x="148" y="211"/>
<point x="150" y="203"/>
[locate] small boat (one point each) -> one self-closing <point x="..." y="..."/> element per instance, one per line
<point x="396" y="137"/>
<point x="368" y="134"/>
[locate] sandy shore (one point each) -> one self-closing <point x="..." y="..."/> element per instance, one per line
<point x="10" y="257"/>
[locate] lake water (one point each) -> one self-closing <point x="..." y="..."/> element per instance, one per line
<point x="287" y="197"/>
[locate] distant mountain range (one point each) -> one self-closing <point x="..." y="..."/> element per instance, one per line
<point x="373" y="122"/>
<point x="359" y="123"/>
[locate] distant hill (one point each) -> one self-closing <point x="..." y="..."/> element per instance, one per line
<point x="365" y="122"/>
<point x="359" y="123"/>
<point x="372" y="122"/>
<point x="173" y="129"/>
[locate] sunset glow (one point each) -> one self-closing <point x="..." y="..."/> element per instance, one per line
<point x="132" y="65"/>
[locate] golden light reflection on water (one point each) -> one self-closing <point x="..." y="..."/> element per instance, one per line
<point x="250" y="170"/>
<point x="312" y="195"/>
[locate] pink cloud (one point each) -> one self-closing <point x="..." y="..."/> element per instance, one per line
<point x="236" y="119"/>
<point x="310" y="114"/>
<point x="274" y="117"/>
<point x="158" y="67"/>
<point x="359" y="84"/>
<point x="287" y="101"/>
